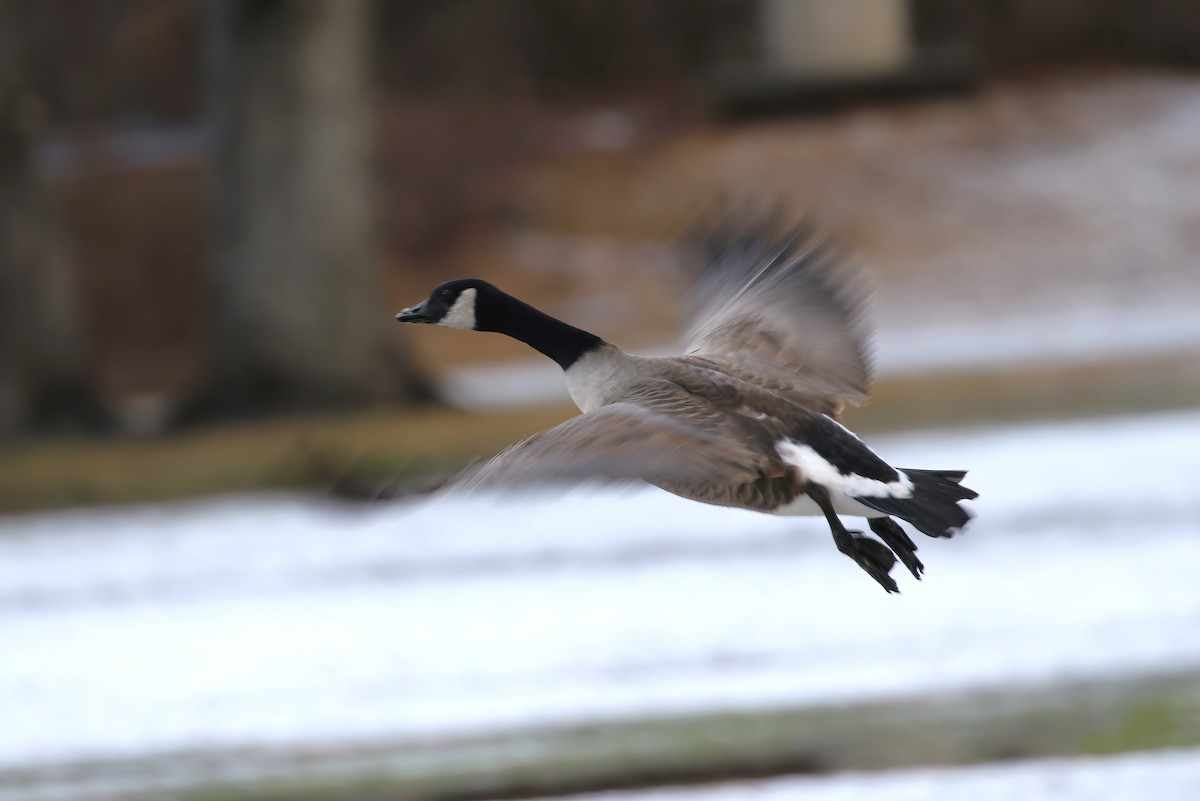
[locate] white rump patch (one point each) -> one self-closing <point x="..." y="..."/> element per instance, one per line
<point x="462" y="313"/>
<point x="817" y="469"/>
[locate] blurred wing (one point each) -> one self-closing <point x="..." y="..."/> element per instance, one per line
<point x="658" y="434"/>
<point x="783" y="311"/>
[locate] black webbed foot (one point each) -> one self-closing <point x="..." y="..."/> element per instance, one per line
<point x="894" y="537"/>
<point x="872" y="556"/>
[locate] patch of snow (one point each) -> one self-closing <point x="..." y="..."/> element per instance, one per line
<point x="281" y="621"/>
<point x="1064" y="335"/>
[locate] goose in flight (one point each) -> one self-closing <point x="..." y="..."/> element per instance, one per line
<point x="746" y="417"/>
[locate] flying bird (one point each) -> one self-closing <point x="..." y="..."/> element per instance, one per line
<point x="746" y="417"/>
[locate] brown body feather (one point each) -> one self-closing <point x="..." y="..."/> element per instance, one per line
<point x="683" y="424"/>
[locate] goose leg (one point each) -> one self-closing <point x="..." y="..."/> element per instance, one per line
<point x="872" y="556"/>
<point x="894" y="537"/>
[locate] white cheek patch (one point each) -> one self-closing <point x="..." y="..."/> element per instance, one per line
<point x="462" y="313"/>
<point x="817" y="469"/>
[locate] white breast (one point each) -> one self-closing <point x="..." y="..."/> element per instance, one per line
<point x="599" y="376"/>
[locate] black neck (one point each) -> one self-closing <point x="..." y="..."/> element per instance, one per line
<point x="561" y="342"/>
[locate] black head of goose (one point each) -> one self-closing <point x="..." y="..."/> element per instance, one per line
<point x="746" y="417"/>
<point x="471" y="304"/>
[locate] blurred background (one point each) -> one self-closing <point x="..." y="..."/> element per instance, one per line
<point x="215" y="579"/>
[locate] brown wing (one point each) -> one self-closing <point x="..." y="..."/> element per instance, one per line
<point x="782" y="311"/>
<point x="659" y="433"/>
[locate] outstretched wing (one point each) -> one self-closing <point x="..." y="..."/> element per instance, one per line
<point x="782" y="310"/>
<point x="657" y="434"/>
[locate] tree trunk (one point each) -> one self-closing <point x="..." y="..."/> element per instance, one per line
<point x="43" y="374"/>
<point x="300" y="319"/>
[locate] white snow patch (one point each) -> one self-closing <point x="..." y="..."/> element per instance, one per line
<point x="278" y="621"/>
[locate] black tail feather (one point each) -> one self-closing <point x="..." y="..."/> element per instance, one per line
<point x="950" y="475"/>
<point x="933" y="507"/>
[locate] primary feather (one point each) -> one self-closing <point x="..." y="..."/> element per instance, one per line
<point x="783" y="311"/>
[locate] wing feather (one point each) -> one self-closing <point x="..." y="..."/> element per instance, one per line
<point x="784" y="311"/>
<point x="658" y="434"/>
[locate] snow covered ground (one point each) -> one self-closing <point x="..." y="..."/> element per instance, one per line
<point x="1169" y="775"/>
<point x="281" y="621"/>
